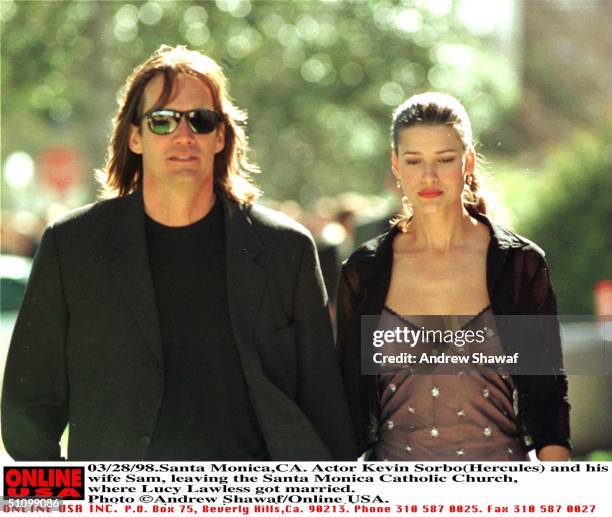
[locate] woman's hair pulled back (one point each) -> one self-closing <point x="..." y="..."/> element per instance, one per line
<point x="433" y="108"/>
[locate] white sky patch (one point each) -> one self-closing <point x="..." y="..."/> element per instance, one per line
<point x="485" y="17"/>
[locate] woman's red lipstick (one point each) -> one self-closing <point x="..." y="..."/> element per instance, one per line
<point x="430" y="193"/>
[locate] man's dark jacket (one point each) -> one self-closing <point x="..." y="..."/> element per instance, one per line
<point x="86" y="349"/>
<point x="518" y="283"/>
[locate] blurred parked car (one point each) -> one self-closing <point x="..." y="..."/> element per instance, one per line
<point x="14" y="274"/>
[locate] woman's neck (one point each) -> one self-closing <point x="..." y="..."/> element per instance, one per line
<point x="441" y="231"/>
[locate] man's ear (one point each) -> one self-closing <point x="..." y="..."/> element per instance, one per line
<point x="220" y="138"/>
<point x="135" y="139"/>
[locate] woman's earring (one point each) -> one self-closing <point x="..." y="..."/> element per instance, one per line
<point x="406" y="206"/>
<point x="468" y="192"/>
<point x="407" y="209"/>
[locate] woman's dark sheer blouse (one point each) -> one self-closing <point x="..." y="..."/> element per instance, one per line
<point x="518" y="283"/>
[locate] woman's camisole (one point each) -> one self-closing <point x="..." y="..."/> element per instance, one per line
<point x="434" y="413"/>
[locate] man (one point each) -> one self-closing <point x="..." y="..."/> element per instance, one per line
<point x="176" y="320"/>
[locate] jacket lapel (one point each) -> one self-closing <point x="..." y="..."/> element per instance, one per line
<point x="246" y="278"/>
<point x="499" y="245"/>
<point x="377" y="263"/>
<point x="129" y="263"/>
<point x="289" y="435"/>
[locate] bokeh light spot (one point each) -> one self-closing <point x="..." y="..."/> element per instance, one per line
<point x="237" y="8"/>
<point x="125" y="34"/>
<point x="409" y="20"/>
<point x="439" y="7"/>
<point x="308" y="28"/>
<point x="384" y="15"/>
<point x="150" y="13"/>
<point x="60" y="110"/>
<point x="41" y="97"/>
<point x="288" y="36"/>
<point x="351" y="74"/>
<point x="8" y="8"/>
<point x="18" y="170"/>
<point x="391" y="94"/>
<point x="293" y="57"/>
<point x="56" y="81"/>
<point x="197" y="34"/>
<point x="313" y="70"/>
<point x="242" y="9"/>
<point x="271" y="25"/>
<point x="195" y="15"/>
<point x="439" y="76"/>
<point x="239" y="46"/>
<point x="319" y="69"/>
<point x="328" y="35"/>
<point x="126" y="17"/>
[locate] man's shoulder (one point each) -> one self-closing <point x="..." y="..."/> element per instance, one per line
<point x="88" y="216"/>
<point x="274" y="223"/>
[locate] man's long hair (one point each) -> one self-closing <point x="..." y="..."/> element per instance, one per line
<point x="122" y="173"/>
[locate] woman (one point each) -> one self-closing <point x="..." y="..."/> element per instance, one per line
<point x="446" y="257"/>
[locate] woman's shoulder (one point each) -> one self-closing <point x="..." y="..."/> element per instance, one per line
<point x="373" y="249"/>
<point x="506" y="239"/>
<point x="523" y="244"/>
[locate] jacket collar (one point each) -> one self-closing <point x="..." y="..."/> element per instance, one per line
<point x="239" y="226"/>
<point x="376" y="259"/>
<point x="237" y="220"/>
<point x="501" y="239"/>
<point x="128" y="258"/>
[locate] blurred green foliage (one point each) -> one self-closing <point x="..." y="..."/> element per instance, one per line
<point x="319" y="79"/>
<point x="597" y="456"/>
<point x="571" y="215"/>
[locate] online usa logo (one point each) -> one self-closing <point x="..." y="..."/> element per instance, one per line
<point x="44" y="482"/>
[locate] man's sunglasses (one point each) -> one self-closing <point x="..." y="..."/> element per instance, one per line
<point x="165" y="121"/>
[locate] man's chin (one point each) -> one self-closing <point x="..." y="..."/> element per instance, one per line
<point x="189" y="175"/>
<point x="185" y="180"/>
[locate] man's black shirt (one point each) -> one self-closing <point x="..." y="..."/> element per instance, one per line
<point x="206" y="413"/>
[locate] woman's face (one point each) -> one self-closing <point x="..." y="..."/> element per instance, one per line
<point x="431" y="164"/>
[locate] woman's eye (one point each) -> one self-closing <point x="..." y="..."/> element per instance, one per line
<point x="447" y="160"/>
<point x="412" y="162"/>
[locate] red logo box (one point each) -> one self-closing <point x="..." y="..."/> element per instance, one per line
<point x="44" y="482"/>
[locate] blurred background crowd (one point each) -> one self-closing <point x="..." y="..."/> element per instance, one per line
<point x="319" y="80"/>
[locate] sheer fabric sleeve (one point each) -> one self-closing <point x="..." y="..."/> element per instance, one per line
<point x="349" y="347"/>
<point x="547" y="412"/>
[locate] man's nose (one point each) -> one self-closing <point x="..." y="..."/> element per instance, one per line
<point x="183" y="131"/>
